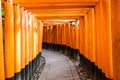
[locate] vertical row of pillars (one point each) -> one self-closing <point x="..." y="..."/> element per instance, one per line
<point x="21" y="54"/>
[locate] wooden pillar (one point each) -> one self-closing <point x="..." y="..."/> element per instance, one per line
<point x="35" y="37"/>
<point x="9" y="40"/>
<point x="30" y="41"/>
<point x="86" y="36"/>
<point x="53" y="35"/>
<point x="57" y="34"/>
<point x="33" y="44"/>
<point x="44" y="33"/>
<point x="40" y="36"/>
<point x="60" y="34"/>
<point x="115" y="27"/>
<point x="64" y="35"/>
<point x="76" y="34"/>
<point x="62" y="27"/>
<point x="50" y="34"/>
<point x="68" y="31"/>
<point x="2" y="70"/>
<point x="106" y="13"/>
<point x="22" y="21"/>
<point x="97" y="34"/>
<point x="72" y="37"/>
<point x="103" y="37"/>
<point x="30" y="35"/>
<point x="82" y="36"/>
<point x="26" y="46"/>
<point x="91" y="39"/>
<point x="17" y="42"/>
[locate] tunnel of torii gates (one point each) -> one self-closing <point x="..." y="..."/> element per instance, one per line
<point x="25" y="24"/>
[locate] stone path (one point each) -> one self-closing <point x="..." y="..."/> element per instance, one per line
<point x="58" y="67"/>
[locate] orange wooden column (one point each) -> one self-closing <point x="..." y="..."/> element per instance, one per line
<point x="62" y="27"/>
<point x="2" y="71"/>
<point x="33" y="40"/>
<point x="76" y="34"/>
<point x="82" y="36"/>
<point x="86" y="36"/>
<point x="68" y="34"/>
<point x="91" y="37"/>
<point x="57" y="34"/>
<point x="9" y="40"/>
<point x="17" y="42"/>
<point x="30" y="35"/>
<point x="22" y="22"/>
<point x="104" y="46"/>
<point x="47" y="34"/>
<point x="106" y="20"/>
<point x="53" y="34"/>
<point x="26" y="39"/>
<point x="36" y="37"/>
<point x="97" y="35"/>
<point x="44" y="33"/>
<point x="50" y="34"/>
<point x="60" y="34"/>
<point x="115" y="27"/>
<point x="26" y="46"/>
<point x="40" y="36"/>
<point x="37" y="32"/>
<point x="71" y="36"/>
<point x="30" y="42"/>
<point x="64" y="34"/>
<point x="34" y="43"/>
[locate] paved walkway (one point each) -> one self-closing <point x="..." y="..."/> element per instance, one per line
<point x="58" y="67"/>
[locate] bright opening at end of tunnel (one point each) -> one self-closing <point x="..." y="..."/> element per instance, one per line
<point x="72" y="22"/>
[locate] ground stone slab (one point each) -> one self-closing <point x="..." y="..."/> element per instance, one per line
<point x="58" y="67"/>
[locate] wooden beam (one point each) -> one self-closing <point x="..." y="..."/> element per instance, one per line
<point x="62" y="15"/>
<point x="60" y="11"/>
<point x="51" y="1"/>
<point x="57" y="5"/>
<point x="58" y="18"/>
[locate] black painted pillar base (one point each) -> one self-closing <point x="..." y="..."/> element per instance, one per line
<point x="30" y="70"/>
<point x="9" y="78"/>
<point x="27" y="72"/>
<point x="23" y="74"/>
<point x="18" y="76"/>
